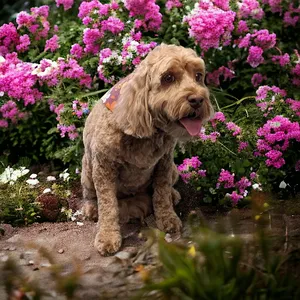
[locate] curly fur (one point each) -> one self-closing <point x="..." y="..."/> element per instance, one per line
<point x="129" y="151"/>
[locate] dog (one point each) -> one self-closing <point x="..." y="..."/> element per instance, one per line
<point x="130" y="136"/>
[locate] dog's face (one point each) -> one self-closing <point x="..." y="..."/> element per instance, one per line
<point x="166" y="92"/>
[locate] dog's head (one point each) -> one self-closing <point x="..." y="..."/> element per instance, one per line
<point x="166" y="92"/>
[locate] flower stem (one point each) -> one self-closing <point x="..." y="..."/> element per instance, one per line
<point x="227" y="148"/>
<point x="91" y="94"/>
<point x="238" y="102"/>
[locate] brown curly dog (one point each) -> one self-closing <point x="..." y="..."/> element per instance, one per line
<point x="129" y="139"/>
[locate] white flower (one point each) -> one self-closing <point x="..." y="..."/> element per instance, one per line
<point x="51" y="178"/>
<point x="65" y="175"/>
<point x="45" y="191"/>
<point x="256" y="186"/>
<point x="33" y="176"/>
<point x="10" y="175"/>
<point x="2" y="59"/>
<point x="32" y="181"/>
<point x="1" y="94"/>
<point x="282" y="185"/>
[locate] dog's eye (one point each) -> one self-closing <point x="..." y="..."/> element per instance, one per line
<point x="168" y="78"/>
<point x="198" y="77"/>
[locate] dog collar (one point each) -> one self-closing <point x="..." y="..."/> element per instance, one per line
<point x="111" y="97"/>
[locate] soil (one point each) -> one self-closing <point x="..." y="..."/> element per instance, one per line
<point x="116" y="277"/>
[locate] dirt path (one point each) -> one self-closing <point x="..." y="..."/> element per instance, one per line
<point x="71" y="244"/>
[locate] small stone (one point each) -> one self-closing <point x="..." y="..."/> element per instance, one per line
<point x="45" y="265"/>
<point x="168" y="238"/>
<point x="30" y="262"/>
<point x="12" y="248"/>
<point x="85" y="257"/>
<point x="123" y="255"/>
<point x="14" y="239"/>
<point x="79" y="223"/>
<point x="61" y="251"/>
<point x="4" y="258"/>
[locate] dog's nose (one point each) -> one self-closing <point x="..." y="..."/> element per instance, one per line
<point x="195" y="102"/>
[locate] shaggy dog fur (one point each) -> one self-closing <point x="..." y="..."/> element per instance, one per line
<point x="129" y="151"/>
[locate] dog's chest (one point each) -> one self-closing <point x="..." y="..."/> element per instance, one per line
<point x="144" y="154"/>
<point x="132" y="179"/>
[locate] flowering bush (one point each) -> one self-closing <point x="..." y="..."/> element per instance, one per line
<point x="55" y="62"/>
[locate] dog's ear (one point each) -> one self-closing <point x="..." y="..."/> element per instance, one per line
<point x="132" y="111"/>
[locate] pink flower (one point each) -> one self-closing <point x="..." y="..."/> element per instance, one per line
<point x="233" y="127"/>
<point x="227" y="178"/>
<point x="213" y="78"/>
<point x="275" y="5"/>
<point x="262" y="91"/>
<point x="264" y="39"/>
<point x="91" y="39"/>
<point x="113" y="25"/>
<point x="283" y="60"/>
<point x="291" y="16"/>
<point x="52" y="44"/>
<point x="3" y="124"/>
<point x="235" y="197"/>
<point x="242" y="27"/>
<point x="210" y="25"/>
<point x="245" y="42"/>
<point x="9" y="37"/>
<point x="173" y="3"/>
<point x="77" y="51"/>
<point x="257" y="79"/>
<point x="86" y="8"/>
<point x="147" y="10"/>
<point x="23" y="43"/>
<point x="202" y="173"/>
<point x="242" y="146"/>
<point x="219" y="116"/>
<point x="276" y="136"/>
<point x="255" y="56"/>
<point x="67" y="4"/>
<point x="251" y="8"/>
<point x="24" y="19"/>
<point x="294" y="105"/>
<point x="242" y="184"/>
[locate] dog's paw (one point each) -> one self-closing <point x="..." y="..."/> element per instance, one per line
<point x="90" y="210"/>
<point x="170" y="223"/>
<point x="108" y="242"/>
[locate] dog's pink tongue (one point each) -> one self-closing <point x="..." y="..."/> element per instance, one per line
<point x="193" y="126"/>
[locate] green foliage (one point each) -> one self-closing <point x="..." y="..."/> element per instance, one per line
<point x="35" y="137"/>
<point x="218" y="266"/>
<point x="18" y="204"/>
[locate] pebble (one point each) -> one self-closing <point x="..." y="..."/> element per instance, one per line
<point x="14" y="238"/>
<point x="61" y="251"/>
<point x="30" y="262"/>
<point x="123" y="255"/>
<point x="168" y="238"/>
<point x="45" y="265"/>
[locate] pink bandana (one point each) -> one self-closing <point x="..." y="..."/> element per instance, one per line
<point x="111" y="97"/>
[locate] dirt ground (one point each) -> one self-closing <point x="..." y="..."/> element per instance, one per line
<point x="71" y="243"/>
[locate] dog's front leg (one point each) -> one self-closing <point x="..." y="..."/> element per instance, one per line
<point x="108" y="238"/>
<point x="166" y="218"/>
